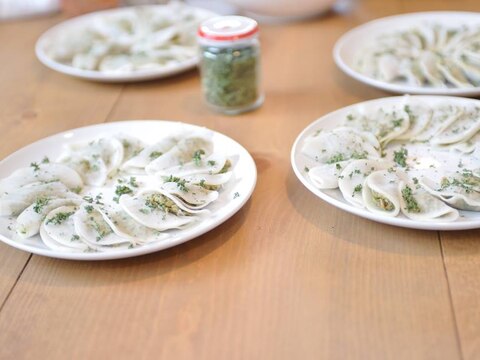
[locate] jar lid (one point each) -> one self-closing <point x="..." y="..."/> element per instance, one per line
<point x="228" y="28"/>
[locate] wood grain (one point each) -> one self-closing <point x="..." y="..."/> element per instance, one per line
<point x="287" y="277"/>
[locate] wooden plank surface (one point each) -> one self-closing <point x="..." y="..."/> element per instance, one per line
<point x="287" y="277"/>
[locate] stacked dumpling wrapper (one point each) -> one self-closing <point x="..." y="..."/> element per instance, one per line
<point x="137" y="38"/>
<point x="115" y="192"/>
<point x="427" y="55"/>
<point x="368" y="159"/>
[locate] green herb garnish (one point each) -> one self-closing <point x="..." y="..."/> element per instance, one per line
<point x="197" y="157"/>
<point x="59" y="218"/>
<point x="400" y="157"/>
<point x="411" y="204"/>
<point x="155" y="154"/>
<point x="35" y="166"/>
<point x="230" y="76"/>
<point x="40" y="203"/>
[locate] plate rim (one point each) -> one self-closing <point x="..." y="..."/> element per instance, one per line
<point x="147" y="248"/>
<point x="391" y="87"/>
<point x="94" y="75"/>
<point x="395" y="221"/>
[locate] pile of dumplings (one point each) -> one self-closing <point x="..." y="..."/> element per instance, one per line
<point x="115" y="192"/>
<point x="140" y="38"/>
<point x="394" y="159"/>
<point x="429" y="55"/>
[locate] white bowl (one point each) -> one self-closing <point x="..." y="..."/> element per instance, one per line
<point x="283" y="9"/>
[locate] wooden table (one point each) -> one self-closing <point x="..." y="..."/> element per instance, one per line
<point x="288" y="277"/>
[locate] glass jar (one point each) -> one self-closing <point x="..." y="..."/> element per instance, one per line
<point x="230" y="64"/>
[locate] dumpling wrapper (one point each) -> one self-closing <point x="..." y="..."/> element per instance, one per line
<point x="380" y="192"/>
<point x="30" y="220"/>
<point x="442" y="117"/>
<point x="460" y="190"/>
<point x="184" y="152"/>
<point x="94" y="160"/>
<point x="385" y="123"/>
<point x="58" y="230"/>
<point x="325" y="176"/>
<point x="216" y="163"/>
<point x="462" y="129"/>
<point x="149" y="154"/>
<point x="340" y="144"/>
<point x="352" y="178"/>
<point x="193" y="197"/>
<point x="96" y="232"/>
<point x="125" y="226"/>
<point x="156" y="210"/>
<point x="420" y="115"/>
<point x="15" y="202"/>
<point x="418" y="204"/>
<point x="43" y="172"/>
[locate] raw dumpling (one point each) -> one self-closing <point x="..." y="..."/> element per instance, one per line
<point x="42" y="172"/>
<point x="380" y="192"/>
<point x="58" y="230"/>
<point x="29" y="221"/>
<point x="461" y="189"/>
<point x="188" y="150"/>
<point x="341" y="144"/>
<point x="352" y="178"/>
<point x="417" y="204"/>
<point x="15" y="202"/>
<point x="156" y="209"/>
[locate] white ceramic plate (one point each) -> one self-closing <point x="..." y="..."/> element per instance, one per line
<point x="46" y="40"/>
<point x="235" y="194"/>
<point x="353" y="41"/>
<point x="467" y="220"/>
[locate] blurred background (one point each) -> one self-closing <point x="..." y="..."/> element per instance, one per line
<point x="263" y="10"/>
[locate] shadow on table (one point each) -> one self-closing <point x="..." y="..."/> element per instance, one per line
<point x="343" y="226"/>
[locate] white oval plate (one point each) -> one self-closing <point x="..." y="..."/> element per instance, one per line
<point x="353" y="41"/>
<point x="467" y="220"/>
<point x="47" y="38"/>
<point x="232" y="197"/>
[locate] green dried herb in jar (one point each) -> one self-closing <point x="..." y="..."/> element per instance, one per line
<point x="230" y="63"/>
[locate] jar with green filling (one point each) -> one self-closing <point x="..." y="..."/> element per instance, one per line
<point x="230" y="63"/>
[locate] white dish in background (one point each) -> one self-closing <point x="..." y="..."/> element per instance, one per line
<point x="232" y="198"/>
<point x="47" y="39"/>
<point x="349" y="44"/>
<point x="467" y="220"/>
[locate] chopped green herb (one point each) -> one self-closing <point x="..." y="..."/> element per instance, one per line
<point x="357" y="189"/>
<point x="59" y="218"/>
<point x="336" y="158"/>
<point x="45" y="160"/>
<point x="121" y="190"/>
<point x="411" y="204"/>
<point x="155" y="154"/>
<point x="89" y="209"/>
<point x="181" y="183"/>
<point x="400" y="157"/>
<point x="75" y="238"/>
<point x="40" y="203"/>
<point x="236" y="195"/>
<point x="306" y="169"/>
<point x="397" y="122"/>
<point x="230" y="76"/>
<point x="133" y="181"/>
<point x="35" y="166"/>
<point x="211" y="162"/>
<point x="197" y="157"/>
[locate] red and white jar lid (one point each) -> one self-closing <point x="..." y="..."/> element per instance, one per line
<point x="227" y="28"/>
